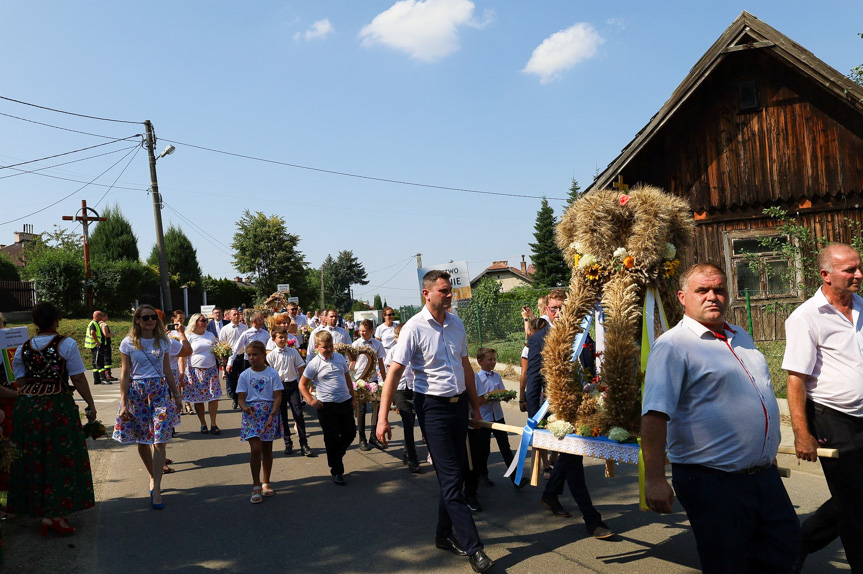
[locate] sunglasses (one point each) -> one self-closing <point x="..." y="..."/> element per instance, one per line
<point x="203" y="320"/>
<point x="148" y="317"/>
<point x="389" y="315"/>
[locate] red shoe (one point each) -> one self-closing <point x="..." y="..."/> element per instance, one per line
<point x="56" y="527"/>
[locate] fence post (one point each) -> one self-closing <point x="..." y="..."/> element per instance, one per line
<point x="749" y="313"/>
<point x="478" y="323"/>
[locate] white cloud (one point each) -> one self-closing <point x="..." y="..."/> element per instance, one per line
<point x="562" y="51"/>
<point x="320" y="29"/>
<point x="618" y="22"/>
<point x="425" y="29"/>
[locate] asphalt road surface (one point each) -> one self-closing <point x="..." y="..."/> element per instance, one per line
<point x="383" y="521"/>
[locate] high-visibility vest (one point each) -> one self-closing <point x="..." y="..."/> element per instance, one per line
<point x="89" y="341"/>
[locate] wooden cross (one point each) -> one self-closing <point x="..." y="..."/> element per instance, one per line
<point x="85" y="220"/>
<point x="620" y="185"/>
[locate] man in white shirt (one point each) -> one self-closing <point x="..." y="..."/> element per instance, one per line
<point x="824" y="360"/>
<point x="434" y="344"/>
<point x="299" y="319"/>
<point x="385" y="333"/>
<point x="229" y="334"/>
<point x="331" y="318"/>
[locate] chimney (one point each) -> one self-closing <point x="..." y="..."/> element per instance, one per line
<point x="25" y="235"/>
<point x="237" y="279"/>
<point x="523" y="266"/>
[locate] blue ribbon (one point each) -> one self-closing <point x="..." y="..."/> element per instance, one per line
<point x="527" y="433"/>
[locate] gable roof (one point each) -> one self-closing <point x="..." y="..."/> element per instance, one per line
<point x="746" y="33"/>
<point x="499" y="266"/>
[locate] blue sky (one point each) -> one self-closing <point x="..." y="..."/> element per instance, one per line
<point x="507" y="97"/>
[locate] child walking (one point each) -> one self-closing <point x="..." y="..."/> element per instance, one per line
<point x="259" y="392"/>
<point x="288" y="362"/>
<point x="335" y="401"/>
<point x="404" y="401"/>
<point x="487" y="380"/>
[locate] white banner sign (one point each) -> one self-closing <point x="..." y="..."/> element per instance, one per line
<point x="207" y="310"/>
<point x="459" y="278"/>
<point x="283" y="288"/>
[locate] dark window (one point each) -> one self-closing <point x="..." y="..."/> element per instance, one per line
<point x="748" y="92"/>
<point x="761" y="268"/>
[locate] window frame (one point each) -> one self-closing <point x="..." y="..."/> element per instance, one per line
<point x="732" y="261"/>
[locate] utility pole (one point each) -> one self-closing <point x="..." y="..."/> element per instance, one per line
<point x="322" y="286"/>
<point x="419" y="266"/>
<point x="165" y="287"/>
<point x="85" y="222"/>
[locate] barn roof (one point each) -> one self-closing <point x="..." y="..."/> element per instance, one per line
<point x="746" y="33"/>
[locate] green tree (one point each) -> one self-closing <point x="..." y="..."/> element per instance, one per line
<point x="227" y="293"/>
<point x="8" y="269"/>
<point x="182" y="258"/>
<point x="550" y="268"/>
<point x="378" y="304"/>
<point x="113" y="239"/>
<point x="574" y="193"/>
<point x="339" y="274"/>
<point x="856" y="74"/>
<point x="117" y="284"/>
<point x="264" y="248"/>
<point x="59" y="277"/>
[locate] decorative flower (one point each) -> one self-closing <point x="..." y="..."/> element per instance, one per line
<point x="670" y="252"/>
<point x="579" y="248"/>
<point x="586" y="261"/>
<point x="596" y="431"/>
<point x="671" y="268"/>
<point x="594" y="272"/>
<point x="575" y="260"/>
<point x="584" y="430"/>
<point x="292" y="342"/>
<point x="629" y="262"/>
<point x="620" y="252"/>
<point x="624" y="199"/>
<point x="618" y="434"/>
<point x="560" y="428"/>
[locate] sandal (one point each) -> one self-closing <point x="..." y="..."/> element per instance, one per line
<point x="169" y="461"/>
<point x="168" y="470"/>
<point x="257" y="497"/>
<point x="266" y="490"/>
<point x="215" y="430"/>
<point x="204" y="429"/>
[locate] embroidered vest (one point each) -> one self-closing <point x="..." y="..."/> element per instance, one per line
<point x="46" y="370"/>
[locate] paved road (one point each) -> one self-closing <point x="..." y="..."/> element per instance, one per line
<point x="381" y="522"/>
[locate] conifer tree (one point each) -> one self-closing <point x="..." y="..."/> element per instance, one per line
<point x="113" y="239"/>
<point x="550" y="268"/>
<point x="182" y="258"/>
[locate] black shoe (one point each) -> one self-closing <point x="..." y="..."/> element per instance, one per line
<point x="289" y="448"/>
<point x="376" y="443"/>
<point x="474" y="504"/>
<point x="414" y="467"/>
<point x="106" y="380"/>
<point x="307" y="451"/>
<point x="480" y="562"/>
<point x="519" y="485"/>
<point x="554" y="505"/>
<point x="601" y="532"/>
<point x="451" y="544"/>
<point x="339" y="479"/>
<point x="364" y="445"/>
<point x="235" y="405"/>
<point x="98" y="382"/>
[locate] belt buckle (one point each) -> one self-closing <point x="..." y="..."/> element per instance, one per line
<point x="454" y="399"/>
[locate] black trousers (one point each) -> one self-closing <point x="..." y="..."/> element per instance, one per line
<point x="231" y="379"/>
<point x="361" y="418"/>
<point x="844" y="474"/>
<point x="291" y="396"/>
<point x="480" y="450"/>
<point x="98" y="360"/>
<point x="742" y="522"/>
<point x="337" y="424"/>
<point x="821" y="528"/>
<point x="445" y="425"/>
<point x="569" y="469"/>
<point x="404" y="401"/>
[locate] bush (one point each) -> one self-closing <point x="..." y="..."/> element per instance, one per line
<point x="226" y="293"/>
<point x="8" y="270"/>
<point x="59" y="277"/>
<point x="117" y="284"/>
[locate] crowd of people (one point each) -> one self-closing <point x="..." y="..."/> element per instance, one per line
<point x="708" y="403"/>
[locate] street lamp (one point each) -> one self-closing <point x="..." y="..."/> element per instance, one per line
<point x="157" y="214"/>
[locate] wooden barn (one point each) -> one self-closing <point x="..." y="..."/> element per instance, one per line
<point x="759" y="121"/>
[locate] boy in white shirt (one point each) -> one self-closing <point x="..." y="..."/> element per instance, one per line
<point x="335" y="401"/>
<point x="289" y="364"/>
<point x="366" y="340"/>
<point x="487" y="380"/>
<point x="385" y="333"/>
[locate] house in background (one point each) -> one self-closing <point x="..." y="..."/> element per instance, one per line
<point x="759" y="121"/>
<point x="15" y="251"/>
<point x="508" y="277"/>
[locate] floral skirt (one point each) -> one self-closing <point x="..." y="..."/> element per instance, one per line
<point x="254" y="423"/>
<point x="202" y="385"/>
<point x="177" y="381"/>
<point x="153" y="413"/>
<point x="52" y="478"/>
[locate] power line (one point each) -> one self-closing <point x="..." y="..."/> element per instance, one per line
<point x="68" y="113"/>
<point x="58" y="127"/>
<point x="107" y="191"/>
<point x="65" y="153"/>
<point x="381" y="286"/>
<point x="358" y="176"/>
<point x="199" y="230"/>
<point x="68" y="196"/>
<point x="33" y="171"/>
<point x="390" y="266"/>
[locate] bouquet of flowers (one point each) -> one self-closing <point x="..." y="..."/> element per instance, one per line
<point x="501" y="395"/>
<point x="302" y="353"/>
<point x="367" y="392"/>
<point x="94" y="430"/>
<point x="222" y="352"/>
<point x="9" y="453"/>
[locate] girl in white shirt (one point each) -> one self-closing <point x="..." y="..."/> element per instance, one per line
<point x="149" y="396"/>
<point x="259" y="391"/>
<point x="202" y="373"/>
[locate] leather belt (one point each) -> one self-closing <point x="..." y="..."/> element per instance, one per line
<point x="702" y="468"/>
